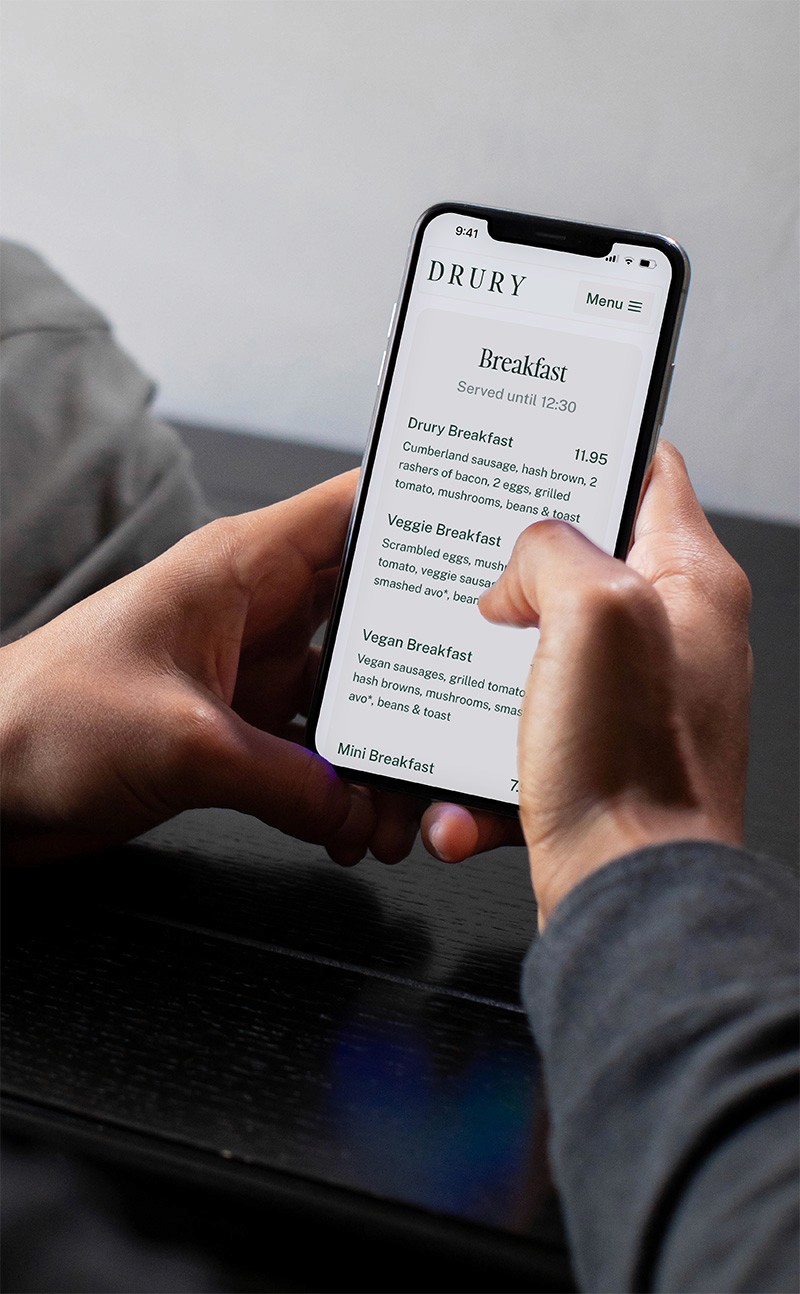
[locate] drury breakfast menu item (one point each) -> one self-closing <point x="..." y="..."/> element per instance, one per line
<point x="499" y="415"/>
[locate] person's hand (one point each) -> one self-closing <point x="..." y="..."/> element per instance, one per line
<point x="178" y="687"/>
<point x="635" y="719"/>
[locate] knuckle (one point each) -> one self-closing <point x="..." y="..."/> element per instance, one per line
<point x="724" y="585"/>
<point x="196" y="733"/>
<point x="214" y="552"/>
<point x="193" y="557"/>
<point x="550" y="530"/>
<point x="739" y="588"/>
<point x="219" y="539"/>
<point x="178" y="740"/>
<point x="547" y="534"/>
<point x="547" y="531"/>
<point x="220" y="531"/>
<point x="623" y="593"/>
<point x="622" y="605"/>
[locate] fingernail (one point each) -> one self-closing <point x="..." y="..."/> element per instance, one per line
<point x="437" y="837"/>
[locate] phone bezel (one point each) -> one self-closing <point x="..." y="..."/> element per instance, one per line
<point x="573" y="235"/>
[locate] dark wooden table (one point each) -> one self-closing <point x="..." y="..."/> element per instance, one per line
<point x="323" y="1076"/>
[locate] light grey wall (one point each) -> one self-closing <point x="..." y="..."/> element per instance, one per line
<point x="235" y="181"/>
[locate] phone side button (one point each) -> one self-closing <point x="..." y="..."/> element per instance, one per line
<point x="665" y="395"/>
<point x="653" y="449"/>
<point x="380" y="370"/>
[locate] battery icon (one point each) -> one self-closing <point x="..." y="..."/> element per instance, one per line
<point x="647" y="265"/>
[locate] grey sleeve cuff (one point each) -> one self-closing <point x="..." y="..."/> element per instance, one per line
<point x="663" y="997"/>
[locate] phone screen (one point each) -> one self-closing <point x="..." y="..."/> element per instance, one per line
<point x="516" y="388"/>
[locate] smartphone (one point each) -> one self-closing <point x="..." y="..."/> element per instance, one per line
<point x="526" y="374"/>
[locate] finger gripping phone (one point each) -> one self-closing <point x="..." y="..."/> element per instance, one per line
<point x="525" y="377"/>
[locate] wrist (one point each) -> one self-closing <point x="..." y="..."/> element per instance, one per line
<point x="559" y="864"/>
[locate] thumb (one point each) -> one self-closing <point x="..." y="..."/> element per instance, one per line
<point x="552" y="563"/>
<point x="281" y="783"/>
